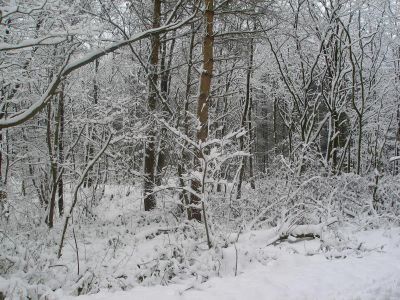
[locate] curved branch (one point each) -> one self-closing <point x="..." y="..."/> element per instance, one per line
<point x="70" y="67"/>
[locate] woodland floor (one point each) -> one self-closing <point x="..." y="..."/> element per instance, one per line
<point x="293" y="272"/>
<point x="127" y="254"/>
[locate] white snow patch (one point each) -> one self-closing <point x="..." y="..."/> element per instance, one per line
<point x="288" y="271"/>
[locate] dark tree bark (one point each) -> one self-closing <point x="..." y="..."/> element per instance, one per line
<point x="90" y="149"/>
<point x="246" y="123"/>
<point x="184" y="161"/>
<point x="53" y="168"/>
<point x="203" y="102"/>
<point x="165" y="71"/>
<point x="61" y="152"/>
<point x="150" y="150"/>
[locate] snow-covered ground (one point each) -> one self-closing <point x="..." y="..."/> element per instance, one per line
<point x="125" y="253"/>
<point x="368" y="267"/>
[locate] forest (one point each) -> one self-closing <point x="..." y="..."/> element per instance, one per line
<point x="199" y="149"/>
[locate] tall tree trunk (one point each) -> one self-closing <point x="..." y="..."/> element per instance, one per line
<point x="54" y="163"/>
<point x="3" y="181"/>
<point x="274" y="125"/>
<point x="246" y="122"/>
<point x="397" y="81"/>
<point x="183" y="163"/>
<point x="203" y="103"/>
<point x="61" y="152"/>
<point x="90" y="149"/>
<point x="251" y="137"/>
<point x="53" y="168"/>
<point x="165" y="70"/>
<point x="150" y="150"/>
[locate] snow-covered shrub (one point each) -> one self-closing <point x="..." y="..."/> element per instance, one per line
<point x="285" y="195"/>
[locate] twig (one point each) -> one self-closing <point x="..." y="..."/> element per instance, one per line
<point x="236" y="261"/>
<point x="76" y="248"/>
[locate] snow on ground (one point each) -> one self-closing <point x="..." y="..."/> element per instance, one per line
<point x="123" y="248"/>
<point x="367" y="268"/>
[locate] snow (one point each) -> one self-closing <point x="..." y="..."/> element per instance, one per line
<point x="290" y="271"/>
<point x="67" y="68"/>
<point x="125" y="253"/>
<point x="46" y="40"/>
<point x="394" y="158"/>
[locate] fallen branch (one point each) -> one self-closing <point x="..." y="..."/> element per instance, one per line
<point x="300" y="231"/>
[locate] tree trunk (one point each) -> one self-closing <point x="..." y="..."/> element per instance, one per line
<point x="165" y="71"/>
<point x="203" y="102"/>
<point x="90" y="149"/>
<point x="3" y="190"/>
<point x="184" y="161"/>
<point x="61" y="152"/>
<point x="246" y="122"/>
<point x="150" y="150"/>
<point x="53" y="168"/>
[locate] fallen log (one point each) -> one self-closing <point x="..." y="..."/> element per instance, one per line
<point x="295" y="232"/>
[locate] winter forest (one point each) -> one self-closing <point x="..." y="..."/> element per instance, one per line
<point x="199" y="149"/>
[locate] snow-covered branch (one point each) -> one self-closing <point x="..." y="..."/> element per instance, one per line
<point x="20" y="118"/>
